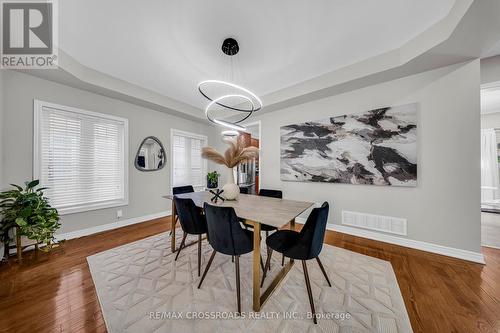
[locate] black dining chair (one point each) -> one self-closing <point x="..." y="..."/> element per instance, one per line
<point x="226" y="236"/>
<point x="182" y="189"/>
<point x="303" y="245"/>
<point x="176" y="191"/>
<point x="193" y="222"/>
<point x="264" y="227"/>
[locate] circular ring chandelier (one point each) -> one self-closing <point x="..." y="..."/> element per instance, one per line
<point x="203" y="88"/>
<point x="219" y="101"/>
<point x="230" y="47"/>
<point x="229" y="133"/>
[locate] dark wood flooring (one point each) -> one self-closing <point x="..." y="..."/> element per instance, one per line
<point x="54" y="292"/>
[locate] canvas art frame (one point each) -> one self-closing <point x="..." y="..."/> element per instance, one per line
<point x="376" y="147"/>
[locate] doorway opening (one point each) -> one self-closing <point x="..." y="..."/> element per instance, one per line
<point x="490" y="165"/>
<point x="248" y="174"/>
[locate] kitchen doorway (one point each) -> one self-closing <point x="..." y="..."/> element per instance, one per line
<point x="248" y="174"/>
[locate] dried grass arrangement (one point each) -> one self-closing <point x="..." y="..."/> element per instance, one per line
<point x="236" y="153"/>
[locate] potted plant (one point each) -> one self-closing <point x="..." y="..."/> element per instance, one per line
<point x="213" y="179"/>
<point x="29" y="211"/>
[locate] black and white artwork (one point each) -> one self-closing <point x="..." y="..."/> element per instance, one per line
<point x="378" y="147"/>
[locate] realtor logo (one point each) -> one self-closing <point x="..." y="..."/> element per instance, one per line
<point x="29" y="31"/>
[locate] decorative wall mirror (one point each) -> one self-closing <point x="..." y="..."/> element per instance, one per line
<point x="151" y="155"/>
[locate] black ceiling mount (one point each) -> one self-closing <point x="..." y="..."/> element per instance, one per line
<point x="230" y="46"/>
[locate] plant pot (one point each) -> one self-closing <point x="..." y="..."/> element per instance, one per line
<point x="211" y="184"/>
<point x="231" y="190"/>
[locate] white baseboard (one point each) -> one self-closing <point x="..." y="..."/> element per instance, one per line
<point x="111" y="226"/>
<point x="414" y="244"/>
<point x="491" y="246"/>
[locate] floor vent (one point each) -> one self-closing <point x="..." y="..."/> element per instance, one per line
<point x="393" y="225"/>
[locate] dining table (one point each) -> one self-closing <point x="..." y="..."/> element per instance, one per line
<point x="254" y="210"/>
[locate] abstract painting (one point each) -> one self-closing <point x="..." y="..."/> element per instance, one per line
<point x="377" y="147"/>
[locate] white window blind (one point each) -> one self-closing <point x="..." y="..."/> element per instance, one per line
<point x="188" y="167"/>
<point x="81" y="157"/>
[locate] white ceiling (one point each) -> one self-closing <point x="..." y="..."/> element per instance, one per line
<point x="169" y="46"/>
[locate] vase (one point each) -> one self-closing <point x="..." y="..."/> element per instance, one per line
<point x="231" y="190"/>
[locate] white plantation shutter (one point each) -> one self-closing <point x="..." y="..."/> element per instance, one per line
<point x="187" y="165"/>
<point x="197" y="174"/>
<point x="80" y="156"/>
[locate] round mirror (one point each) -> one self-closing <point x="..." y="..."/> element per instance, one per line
<point x="151" y="155"/>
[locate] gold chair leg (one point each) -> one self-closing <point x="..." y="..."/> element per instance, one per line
<point x="199" y="255"/>
<point x="172" y="229"/>
<point x="268" y="262"/>
<point x="207" y="268"/>
<point x="309" y="291"/>
<point x="268" y="249"/>
<point x="238" y="296"/>
<point x="323" y="270"/>
<point x="181" y="246"/>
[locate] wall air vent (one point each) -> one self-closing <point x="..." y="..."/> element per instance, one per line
<point x="393" y="225"/>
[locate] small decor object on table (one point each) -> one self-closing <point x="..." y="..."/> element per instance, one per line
<point x="217" y="196"/>
<point x="28" y="211"/>
<point x="213" y="179"/>
<point x="236" y="153"/>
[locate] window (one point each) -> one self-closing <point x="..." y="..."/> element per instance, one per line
<point x="81" y="157"/>
<point x="188" y="167"/>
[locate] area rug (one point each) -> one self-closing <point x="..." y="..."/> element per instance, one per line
<point x="142" y="289"/>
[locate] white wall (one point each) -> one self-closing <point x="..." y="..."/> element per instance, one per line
<point x="490" y="70"/>
<point x="444" y="208"/>
<point x="145" y="188"/>
<point x="490" y="120"/>
<point x="490" y="73"/>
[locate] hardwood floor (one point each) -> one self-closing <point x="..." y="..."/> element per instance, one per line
<point x="54" y="292"/>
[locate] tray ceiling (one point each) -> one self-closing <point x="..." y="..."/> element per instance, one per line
<point x="169" y="46"/>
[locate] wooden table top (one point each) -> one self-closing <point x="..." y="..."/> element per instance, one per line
<point x="271" y="211"/>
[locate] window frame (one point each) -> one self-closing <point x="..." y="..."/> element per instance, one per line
<point x="202" y="137"/>
<point x="38" y="106"/>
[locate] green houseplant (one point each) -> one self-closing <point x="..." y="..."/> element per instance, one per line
<point x="213" y="179"/>
<point x="28" y="210"/>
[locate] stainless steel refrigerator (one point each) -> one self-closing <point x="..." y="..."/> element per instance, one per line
<point x="246" y="176"/>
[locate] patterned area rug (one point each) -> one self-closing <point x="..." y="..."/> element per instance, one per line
<point x="142" y="289"/>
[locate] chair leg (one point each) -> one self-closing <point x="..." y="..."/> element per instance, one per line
<point x="238" y="296"/>
<point x="181" y="246"/>
<point x="309" y="291"/>
<point x="262" y="264"/>
<point x="267" y="248"/>
<point x="324" y="271"/>
<point x="268" y="262"/>
<point x="232" y="258"/>
<point x="207" y="268"/>
<point x="282" y="260"/>
<point x="199" y="255"/>
<point x="172" y="229"/>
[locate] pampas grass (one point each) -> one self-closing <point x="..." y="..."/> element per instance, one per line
<point x="236" y="153"/>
